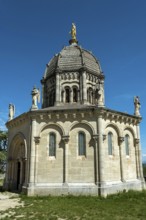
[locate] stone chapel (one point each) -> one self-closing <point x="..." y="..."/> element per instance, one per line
<point x="74" y="144"/>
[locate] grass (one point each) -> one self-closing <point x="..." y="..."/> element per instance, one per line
<point x="129" y="206"/>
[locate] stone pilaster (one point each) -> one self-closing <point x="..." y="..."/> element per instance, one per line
<point x="136" y="143"/>
<point x="37" y="142"/>
<point x="84" y="88"/>
<point x="32" y="153"/>
<point x="121" y="140"/>
<point x="101" y="157"/>
<point x="71" y="96"/>
<point x="57" y="98"/>
<point x="138" y="155"/>
<point x="96" y="161"/>
<point x="78" y="95"/>
<point x="65" y="159"/>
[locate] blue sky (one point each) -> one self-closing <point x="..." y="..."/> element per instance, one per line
<point x="32" y="31"/>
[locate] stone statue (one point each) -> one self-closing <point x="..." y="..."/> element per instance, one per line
<point x="73" y="31"/>
<point x="11" y="111"/>
<point x="99" y="95"/>
<point x="137" y="106"/>
<point x="35" y="97"/>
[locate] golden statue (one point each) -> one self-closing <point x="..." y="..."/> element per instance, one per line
<point x="73" y="32"/>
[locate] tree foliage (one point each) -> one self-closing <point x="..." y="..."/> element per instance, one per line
<point x="3" y="149"/>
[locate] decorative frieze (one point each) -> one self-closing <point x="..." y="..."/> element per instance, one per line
<point x="70" y="76"/>
<point x="118" y="117"/>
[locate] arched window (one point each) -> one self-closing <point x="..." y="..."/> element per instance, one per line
<point x="110" y="143"/>
<point x="67" y="93"/>
<point x="52" y="144"/>
<point x="81" y="144"/>
<point x="127" y="144"/>
<point x="75" y="95"/>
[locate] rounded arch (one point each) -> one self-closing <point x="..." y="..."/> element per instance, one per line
<point x="82" y="124"/>
<point x="131" y="130"/>
<point x="115" y="127"/>
<point x="18" y="140"/>
<point x="55" y="125"/>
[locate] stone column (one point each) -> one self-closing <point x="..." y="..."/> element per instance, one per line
<point x="121" y="140"/>
<point x="25" y="171"/>
<point x="71" y="95"/>
<point x="32" y="153"/>
<point x="78" y="95"/>
<point x="43" y="93"/>
<point x="96" y="161"/>
<point x="138" y="147"/>
<point x="65" y="159"/>
<point x="136" y="143"/>
<point x="57" y="98"/>
<point x="101" y="157"/>
<point x="84" y="88"/>
<point x="37" y="142"/>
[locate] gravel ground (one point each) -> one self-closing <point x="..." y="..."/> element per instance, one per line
<point x="9" y="200"/>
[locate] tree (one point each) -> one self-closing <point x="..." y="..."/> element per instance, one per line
<point x="3" y="150"/>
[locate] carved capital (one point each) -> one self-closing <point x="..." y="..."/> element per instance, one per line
<point x="65" y="138"/>
<point x="104" y="137"/>
<point x="37" y="140"/>
<point x="136" y="141"/>
<point x="95" y="137"/>
<point x="120" y="140"/>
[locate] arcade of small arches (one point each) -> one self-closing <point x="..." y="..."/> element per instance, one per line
<point x="112" y="137"/>
<point x="72" y="95"/>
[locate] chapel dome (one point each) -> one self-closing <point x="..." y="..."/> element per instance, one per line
<point x="73" y="58"/>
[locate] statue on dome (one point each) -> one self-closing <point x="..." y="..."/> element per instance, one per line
<point x="35" y="97"/>
<point x="73" y="31"/>
<point x="11" y="111"/>
<point x="73" y="34"/>
<point x="137" y="105"/>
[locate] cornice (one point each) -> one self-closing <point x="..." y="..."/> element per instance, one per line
<point x="116" y="116"/>
<point x="21" y="119"/>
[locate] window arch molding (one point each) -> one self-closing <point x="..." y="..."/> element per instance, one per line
<point x="85" y="125"/>
<point x="112" y="126"/>
<point x="130" y="131"/>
